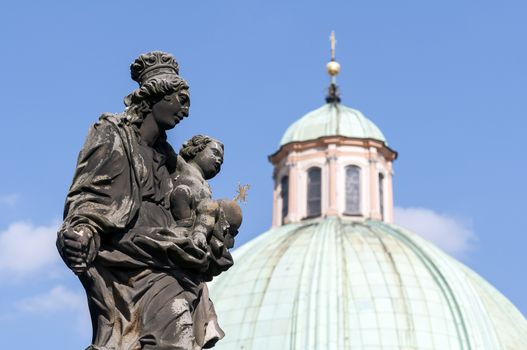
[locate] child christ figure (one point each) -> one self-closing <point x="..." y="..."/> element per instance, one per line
<point x="192" y="205"/>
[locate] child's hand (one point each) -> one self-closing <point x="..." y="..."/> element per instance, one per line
<point x="200" y="240"/>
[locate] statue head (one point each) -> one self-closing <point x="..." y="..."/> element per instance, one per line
<point x="205" y="152"/>
<point x="160" y="86"/>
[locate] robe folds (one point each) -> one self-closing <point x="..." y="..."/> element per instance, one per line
<point x="146" y="287"/>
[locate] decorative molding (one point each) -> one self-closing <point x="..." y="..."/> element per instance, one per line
<point x="323" y="142"/>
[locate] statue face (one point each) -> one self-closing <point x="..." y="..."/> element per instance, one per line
<point x="171" y="109"/>
<point x="210" y="159"/>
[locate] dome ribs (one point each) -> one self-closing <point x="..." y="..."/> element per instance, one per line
<point x="439" y="278"/>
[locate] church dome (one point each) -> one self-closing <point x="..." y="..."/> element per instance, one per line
<point x="333" y="272"/>
<point x="332" y="119"/>
<point x="336" y="284"/>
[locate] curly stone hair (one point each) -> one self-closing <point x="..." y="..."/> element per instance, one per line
<point x="141" y="100"/>
<point x="196" y="144"/>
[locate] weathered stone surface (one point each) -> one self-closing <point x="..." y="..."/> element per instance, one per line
<point x="141" y="230"/>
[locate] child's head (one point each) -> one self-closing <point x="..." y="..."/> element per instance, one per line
<point x="205" y="152"/>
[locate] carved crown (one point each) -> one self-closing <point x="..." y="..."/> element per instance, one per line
<point x="152" y="64"/>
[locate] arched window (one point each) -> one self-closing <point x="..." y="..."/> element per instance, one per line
<point x="314" y="192"/>
<point x="353" y="190"/>
<point x="381" y="195"/>
<point x="284" y="194"/>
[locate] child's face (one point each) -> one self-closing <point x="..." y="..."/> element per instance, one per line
<point x="210" y="159"/>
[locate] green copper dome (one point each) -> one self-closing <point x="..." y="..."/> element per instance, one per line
<point x="335" y="284"/>
<point x="332" y="119"/>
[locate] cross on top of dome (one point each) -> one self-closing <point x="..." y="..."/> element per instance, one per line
<point x="333" y="69"/>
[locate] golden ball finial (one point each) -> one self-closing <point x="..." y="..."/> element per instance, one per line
<point x="333" y="68"/>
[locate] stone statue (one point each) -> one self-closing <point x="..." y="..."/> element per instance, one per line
<point x="141" y="230"/>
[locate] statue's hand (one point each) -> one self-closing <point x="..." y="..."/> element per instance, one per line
<point x="76" y="244"/>
<point x="200" y="240"/>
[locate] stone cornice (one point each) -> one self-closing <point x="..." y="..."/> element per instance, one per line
<point x="324" y="142"/>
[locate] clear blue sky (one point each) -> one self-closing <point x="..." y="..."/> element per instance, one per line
<point x="445" y="81"/>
